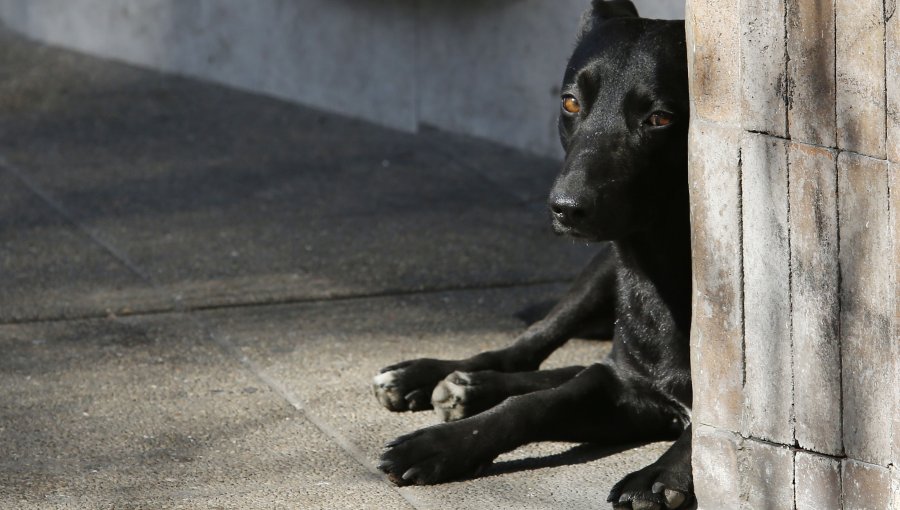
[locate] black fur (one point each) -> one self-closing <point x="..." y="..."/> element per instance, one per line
<point x="624" y="183"/>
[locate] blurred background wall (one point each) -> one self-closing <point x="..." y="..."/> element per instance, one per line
<point x="488" y="68"/>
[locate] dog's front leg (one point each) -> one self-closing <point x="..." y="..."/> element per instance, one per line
<point x="667" y="483"/>
<point x="589" y="304"/>
<point x="592" y="407"/>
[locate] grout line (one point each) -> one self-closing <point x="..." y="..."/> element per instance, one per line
<point x="794" y="477"/>
<point x="293" y="301"/>
<point x="837" y="228"/>
<point x="787" y="85"/>
<point x="841" y="481"/>
<point x="834" y="28"/>
<point x="68" y="216"/>
<point x="348" y="447"/>
<point x="884" y="96"/>
<point x="840" y="292"/>
<point x="804" y="450"/>
<point x="740" y="206"/>
<point x="790" y="264"/>
<point x="74" y="318"/>
<point x="323" y="426"/>
<point x="817" y="145"/>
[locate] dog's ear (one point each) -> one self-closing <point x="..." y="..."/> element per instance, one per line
<point x="603" y="9"/>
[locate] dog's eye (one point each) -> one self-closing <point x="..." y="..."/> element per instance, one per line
<point x="659" y="119"/>
<point x="570" y="104"/>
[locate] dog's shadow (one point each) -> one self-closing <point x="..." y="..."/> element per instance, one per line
<point x="579" y="454"/>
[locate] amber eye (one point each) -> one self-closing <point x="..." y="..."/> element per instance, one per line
<point x="659" y="119"/>
<point x="570" y="104"/>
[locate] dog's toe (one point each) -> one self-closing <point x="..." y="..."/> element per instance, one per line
<point x="652" y="488"/>
<point x="388" y="392"/>
<point x="436" y="454"/>
<point x="640" y="501"/>
<point x="449" y="396"/>
<point x="674" y="498"/>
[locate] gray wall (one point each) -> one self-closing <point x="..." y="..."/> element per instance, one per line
<point x="486" y="68"/>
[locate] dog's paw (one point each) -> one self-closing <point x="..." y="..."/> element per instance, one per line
<point x="463" y="394"/>
<point x="654" y="488"/>
<point x="408" y="386"/>
<point x="441" y="453"/>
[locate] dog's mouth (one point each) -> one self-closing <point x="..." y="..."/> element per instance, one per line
<point x="563" y="230"/>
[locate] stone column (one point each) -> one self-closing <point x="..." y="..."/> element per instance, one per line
<point x="795" y="153"/>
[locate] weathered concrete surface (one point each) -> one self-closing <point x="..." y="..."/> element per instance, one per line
<point x="815" y="298"/>
<point x="894" y="193"/>
<point x="768" y="353"/>
<point x="148" y="413"/>
<point x="817" y="344"/>
<point x="263" y="201"/>
<point x="239" y="221"/>
<point x="716" y="327"/>
<point x="867" y="296"/>
<point x="817" y="481"/>
<point x="767" y="476"/>
<point x="51" y="268"/>
<point x="895" y="486"/>
<point x="714" y="60"/>
<point x="866" y="487"/>
<point x="716" y="466"/>
<point x="489" y="69"/>
<point x="892" y="81"/>
<point x="763" y="67"/>
<point x="810" y="48"/>
<point x="860" y="76"/>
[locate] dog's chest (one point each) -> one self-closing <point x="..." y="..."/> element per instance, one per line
<point x="643" y="314"/>
<point x="648" y="339"/>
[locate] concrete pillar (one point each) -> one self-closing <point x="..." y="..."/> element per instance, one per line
<point x="795" y="142"/>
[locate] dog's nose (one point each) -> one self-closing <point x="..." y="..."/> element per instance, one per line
<point x="567" y="211"/>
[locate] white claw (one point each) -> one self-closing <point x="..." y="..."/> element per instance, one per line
<point x="674" y="499"/>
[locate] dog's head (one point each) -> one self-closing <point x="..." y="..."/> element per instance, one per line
<point x="623" y="124"/>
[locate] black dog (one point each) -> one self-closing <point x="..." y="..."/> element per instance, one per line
<point x="624" y="125"/>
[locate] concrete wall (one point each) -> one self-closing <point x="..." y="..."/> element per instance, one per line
<point x="794" y="175"/>
<point x="486" y="68"/>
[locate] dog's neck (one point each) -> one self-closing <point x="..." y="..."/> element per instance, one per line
<point x="661" y="256"/>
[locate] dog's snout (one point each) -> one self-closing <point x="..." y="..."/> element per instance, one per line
<point x="567" y="210"/>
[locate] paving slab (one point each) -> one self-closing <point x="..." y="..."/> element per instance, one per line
<point x="51" y="268"/>
<point x="148" y="413"/>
